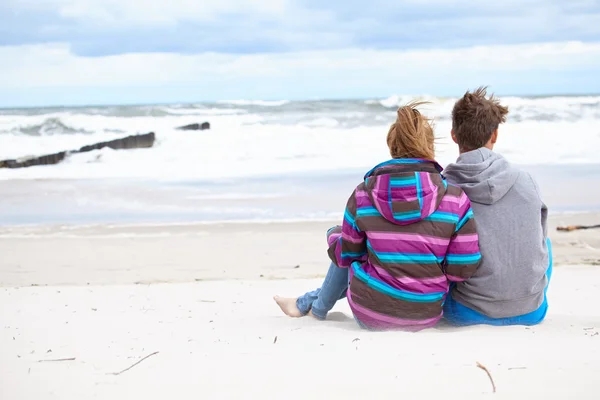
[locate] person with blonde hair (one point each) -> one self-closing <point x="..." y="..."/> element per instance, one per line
<point x="406" y="234"/>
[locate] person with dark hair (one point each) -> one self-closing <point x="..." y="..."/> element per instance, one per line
<point x="509" y="287"/>
<point x="405" y="236"/>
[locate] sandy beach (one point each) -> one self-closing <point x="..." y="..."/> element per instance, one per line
<point x="101" y="298"/>
<point x="145" y="267"/>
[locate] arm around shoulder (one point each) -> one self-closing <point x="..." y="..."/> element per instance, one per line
<point x="463" y="256"/>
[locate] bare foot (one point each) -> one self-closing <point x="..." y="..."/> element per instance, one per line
<point x="288" y="306"/>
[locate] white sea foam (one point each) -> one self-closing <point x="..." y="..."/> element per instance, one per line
<point x="521" y="108"/>
<point x="201" y="111"/>
<point x="395" y="100"/>
<point x="261" y="103"/>
<point x="306" y="137"/>
<point x="235" y="196"/>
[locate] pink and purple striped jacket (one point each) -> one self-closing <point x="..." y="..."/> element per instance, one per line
<point x="406" y="235"/>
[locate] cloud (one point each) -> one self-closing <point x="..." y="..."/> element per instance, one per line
<point x="108" y="27"/>
<point x="63" y="68"/>
<point x="53" y="71"/>
<point x="148" y="12"/>
<point x="189" y="50"/>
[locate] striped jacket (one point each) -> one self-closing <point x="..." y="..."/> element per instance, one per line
<point x="406" y="234"/>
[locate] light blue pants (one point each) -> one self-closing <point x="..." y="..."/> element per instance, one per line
<point x="460" y="315"/>
<point x="322" y="300"/>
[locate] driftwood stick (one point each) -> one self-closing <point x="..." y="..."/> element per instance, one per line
<point x="133" y="365"/>
<point x="58" y="359"/>
<point x="479" y="365"/>
<point x="576" y="227"/>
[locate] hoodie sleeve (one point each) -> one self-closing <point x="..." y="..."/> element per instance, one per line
<point x="545" y="220"/>
<point x="463" y="256"/>
<point x="544" y="208"/>
<point x="347" y="243"/>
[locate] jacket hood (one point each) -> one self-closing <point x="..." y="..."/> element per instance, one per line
<point x="485" y="176"/>
<point x="405" y="191"/>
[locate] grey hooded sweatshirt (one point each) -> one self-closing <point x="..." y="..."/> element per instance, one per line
<point x="511" y="223"/>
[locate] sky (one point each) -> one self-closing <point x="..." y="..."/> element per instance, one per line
<point x="78" y="52"/>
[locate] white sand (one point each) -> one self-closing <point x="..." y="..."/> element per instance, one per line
<point x="216" y="338"/>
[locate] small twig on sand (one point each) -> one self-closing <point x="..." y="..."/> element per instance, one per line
<point x="131" y="366"/>
<point x="58" y="359"/>
<point x="275" y="340"/>
<point x="479" y="365"/>
<point x="576" y="227"/>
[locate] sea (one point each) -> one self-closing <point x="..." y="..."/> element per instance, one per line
<point x="263" y="161"/>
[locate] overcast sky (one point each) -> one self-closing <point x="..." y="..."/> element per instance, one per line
<point x="56" y="52"/>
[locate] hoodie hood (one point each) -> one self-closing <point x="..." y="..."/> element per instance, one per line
<point x="405" y="191"/>
<point x="484" y="176"/>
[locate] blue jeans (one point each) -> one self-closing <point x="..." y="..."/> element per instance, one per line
<point x="322" y="300"/>
<point x="458" y="314"/>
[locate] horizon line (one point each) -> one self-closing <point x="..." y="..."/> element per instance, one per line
<point x="332" y="99"/>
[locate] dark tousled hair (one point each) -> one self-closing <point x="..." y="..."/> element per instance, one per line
<point x="475" y="117"/>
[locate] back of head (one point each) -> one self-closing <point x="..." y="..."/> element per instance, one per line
<point x="475" y="118"/>
<point x="411" y="136"/>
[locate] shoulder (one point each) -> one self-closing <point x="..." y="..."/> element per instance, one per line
<point x="526" y="183"/>
<point x="359" y="197"/>
<point x="453" y="190"/>
<point x="360" y="191"/>
<point x="458" y="197"/>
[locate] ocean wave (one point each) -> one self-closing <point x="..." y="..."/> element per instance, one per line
<point x="229" y="151"/>
<point x="323" y="122"/>
<point x="260" y="103"/>
<point x="50" y="126"/>
<point x="547" y="109"/>
<point x="342" y="114"/>
<point x="204" y="111"/>
<point x="235" y="196"/>
<point x="97" y="126"/>
<point x="300" y="137"/>
<point x="395" y="101"/>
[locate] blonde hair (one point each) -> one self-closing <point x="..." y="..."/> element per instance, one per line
<point x="411" y="136"/>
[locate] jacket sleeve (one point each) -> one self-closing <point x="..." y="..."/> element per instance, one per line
<point x="463" y="256"/>
<point x="347" y="243"/>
